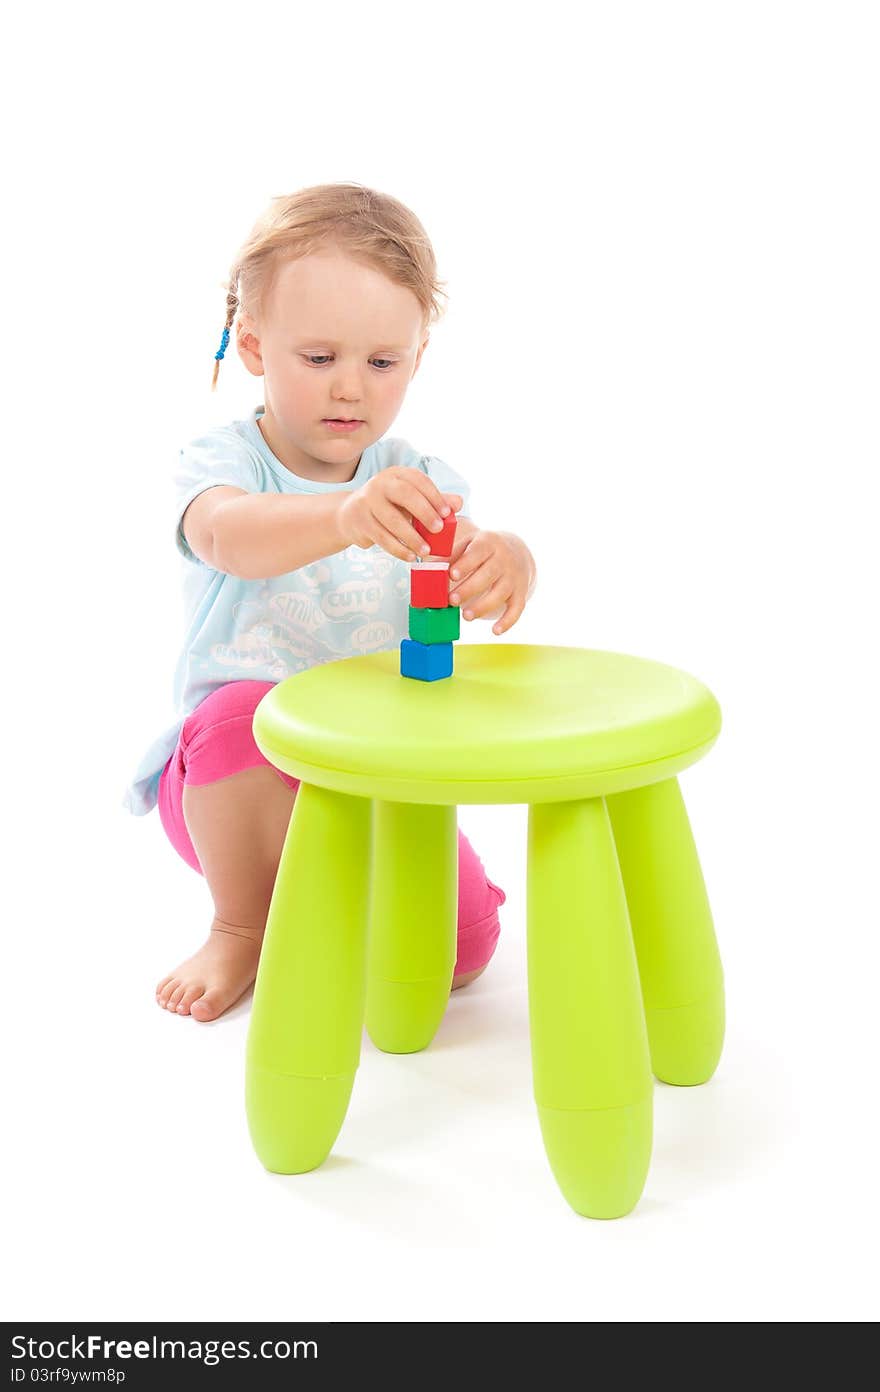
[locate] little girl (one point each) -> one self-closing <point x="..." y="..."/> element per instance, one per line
<point x="296" y="529"/>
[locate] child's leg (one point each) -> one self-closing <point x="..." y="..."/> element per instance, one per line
<point x="237" y="828"/>
<point x="226" y="812"/>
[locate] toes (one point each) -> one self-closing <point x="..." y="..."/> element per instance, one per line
<point x="176" y="996"/>
<point x="209" y="1006"/>
<point x="190" y="995"/>
<point x="164" y="990"/>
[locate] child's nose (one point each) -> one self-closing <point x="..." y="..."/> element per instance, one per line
<point x="347" y="384"/>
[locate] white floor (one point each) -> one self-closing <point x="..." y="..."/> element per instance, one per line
<point x="134" y="1192"/>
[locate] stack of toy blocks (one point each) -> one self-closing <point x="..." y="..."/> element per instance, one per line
<point x="434" y="623"/>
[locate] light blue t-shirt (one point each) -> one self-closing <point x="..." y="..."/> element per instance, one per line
<point x="354" y="602"/>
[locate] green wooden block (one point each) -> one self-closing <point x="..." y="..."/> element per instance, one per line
<point x="434" y="625"/>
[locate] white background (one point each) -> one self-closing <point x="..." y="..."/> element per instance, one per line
<point x="659" y="228"/>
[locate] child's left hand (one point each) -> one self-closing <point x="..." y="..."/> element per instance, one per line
<point x="491" y="575"/>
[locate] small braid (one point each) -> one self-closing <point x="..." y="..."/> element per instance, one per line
<point x="231" y="308"/>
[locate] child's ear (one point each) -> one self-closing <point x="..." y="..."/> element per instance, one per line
<point x="248" y="343"/>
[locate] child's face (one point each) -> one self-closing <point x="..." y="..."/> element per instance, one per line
<point x="336" y="339"/>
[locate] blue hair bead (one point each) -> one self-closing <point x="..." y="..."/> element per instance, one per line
<point x="224" y="343"/>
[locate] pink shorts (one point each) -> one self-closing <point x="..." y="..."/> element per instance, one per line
<point x="217" y="740"/>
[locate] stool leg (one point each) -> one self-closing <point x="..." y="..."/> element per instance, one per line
<point x="592" y="1074"/>
<point x="413" y="923"/>
<point x="305" y="1032"/>
<point x="679" y="965"/>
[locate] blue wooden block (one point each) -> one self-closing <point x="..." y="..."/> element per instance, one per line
<point x="425" y="661"/>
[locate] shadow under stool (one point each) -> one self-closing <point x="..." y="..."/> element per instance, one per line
<point x="624" y="975"/>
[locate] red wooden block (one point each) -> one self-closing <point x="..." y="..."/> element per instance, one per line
<point x="429" y="589"/>
<point x="441" y="543"/>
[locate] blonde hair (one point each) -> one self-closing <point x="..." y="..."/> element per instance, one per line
<point x="369" y="226"/>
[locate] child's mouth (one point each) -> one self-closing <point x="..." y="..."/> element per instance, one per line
<point x="343" y="424"/>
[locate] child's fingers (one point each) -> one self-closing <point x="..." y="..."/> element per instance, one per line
<point x="491" y="603"/>
<point x="484" y="592"/>
<point x="384" y="537"/>
<point x="459" y="548"/>
<point x="424" y="499"/>
<point x="443" y="502"/>
<point x="430" y="511"/>
<point x="398" y="522"/>
<point x="411" y="506"/>
<point x="473" y="577"/>
<point x="477" y="551"/>
<point x="509" y="617"/>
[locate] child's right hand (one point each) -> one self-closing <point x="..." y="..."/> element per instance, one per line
<point x="380" y="513"/>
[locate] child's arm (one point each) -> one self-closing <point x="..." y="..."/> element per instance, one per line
<point x="258" y="535"/>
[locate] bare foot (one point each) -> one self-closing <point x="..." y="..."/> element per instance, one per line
<point x="220" y="972"/>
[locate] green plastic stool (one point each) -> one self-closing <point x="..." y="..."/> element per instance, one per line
<point x="624" y="973"/>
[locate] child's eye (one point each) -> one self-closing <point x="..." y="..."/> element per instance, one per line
<point x="319" y="359"/>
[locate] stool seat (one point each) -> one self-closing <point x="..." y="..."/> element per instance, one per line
<point x="515" y="723"/>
